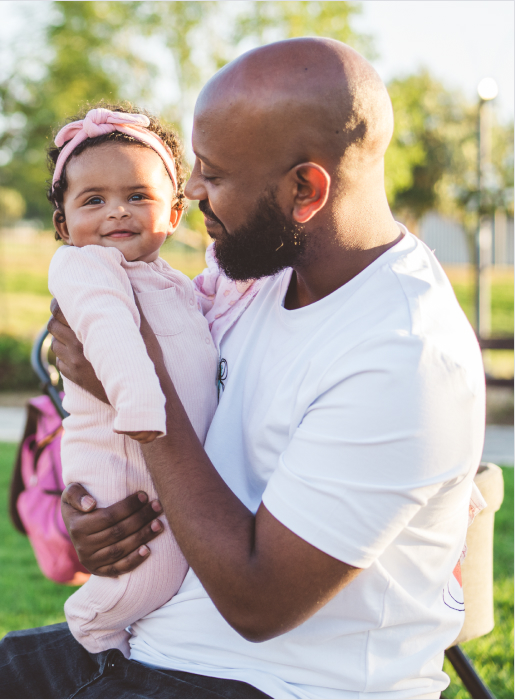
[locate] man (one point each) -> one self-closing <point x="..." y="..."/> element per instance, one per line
<point x="327" y="512"/>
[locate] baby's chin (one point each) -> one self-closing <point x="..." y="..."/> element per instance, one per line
<point x="129" y="247"/>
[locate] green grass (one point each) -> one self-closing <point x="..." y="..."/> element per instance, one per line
<point x="498" y="363"/>
<point x="25" y="299"/>
<point x="502" y="297"/>
<point x="24" y="296"/>
<point x="30" y="600"/>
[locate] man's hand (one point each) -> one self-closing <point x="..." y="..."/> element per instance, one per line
<point x="70" y="356"/>
<point x="110" y="541"/>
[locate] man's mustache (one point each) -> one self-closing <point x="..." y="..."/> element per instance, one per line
<point x="204" y="207"/>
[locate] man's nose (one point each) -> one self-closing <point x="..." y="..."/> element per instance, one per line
<point x="118" y="212"/>
<point x="195" y="188"/>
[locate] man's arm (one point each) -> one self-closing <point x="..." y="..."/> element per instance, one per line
<point x="264" y="579"/>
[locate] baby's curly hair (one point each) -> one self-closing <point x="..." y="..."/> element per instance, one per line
<point x="55" y="193"/>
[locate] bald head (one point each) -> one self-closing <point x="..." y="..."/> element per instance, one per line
<point x="308" y="99"/>
<point x="289" y="142"/>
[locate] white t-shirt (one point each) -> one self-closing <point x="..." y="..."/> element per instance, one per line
<point x="359" y="422"/>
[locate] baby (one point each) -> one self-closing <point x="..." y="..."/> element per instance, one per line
<point x="117" y="192"/>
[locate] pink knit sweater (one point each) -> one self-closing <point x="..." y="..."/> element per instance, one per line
<point x="95" y="288"/>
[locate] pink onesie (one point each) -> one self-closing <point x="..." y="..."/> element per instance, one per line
<point x="95" y="288"/>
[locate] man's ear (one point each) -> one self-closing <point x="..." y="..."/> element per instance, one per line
<point x="61" y="226"/>
<point x="175" y="218"/>
<point x="312" y="185"/>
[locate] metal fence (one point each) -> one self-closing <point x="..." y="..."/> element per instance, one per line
<point x="450" y="245"/>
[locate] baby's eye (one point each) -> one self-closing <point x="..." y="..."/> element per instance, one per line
<point x="136" y="198"/>
<point x="95" y="200"/>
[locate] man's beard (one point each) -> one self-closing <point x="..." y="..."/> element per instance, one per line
<point x="266" y="244"/>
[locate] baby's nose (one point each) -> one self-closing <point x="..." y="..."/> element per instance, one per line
<point x="119" y="212"/>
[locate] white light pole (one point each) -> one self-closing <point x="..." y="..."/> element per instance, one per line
<point x="487" y="91"/>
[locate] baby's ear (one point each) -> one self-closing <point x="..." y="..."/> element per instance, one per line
<point x="60" y="226"/>
<point x="175" y="217"/>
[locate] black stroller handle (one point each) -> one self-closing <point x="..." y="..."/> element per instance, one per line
<point x="41" y="366"/>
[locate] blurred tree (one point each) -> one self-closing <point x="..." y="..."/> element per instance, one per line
<point x="160" y="53"/>
<point x="113" y="50"/>
<point x="204" y="36"/>
<point x="270" y="21"/>
<point x="84" y="58"/>
<point x="432" y="160"/>
<point x="12" y="206"/>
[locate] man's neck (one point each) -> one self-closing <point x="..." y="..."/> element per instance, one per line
<point x="335" y="264"/>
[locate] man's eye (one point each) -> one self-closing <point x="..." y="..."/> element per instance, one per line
<point x="209" y="177"/>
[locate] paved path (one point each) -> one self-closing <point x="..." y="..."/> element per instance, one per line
<point x="498" y="443"/>
<point x="12" y="422"/>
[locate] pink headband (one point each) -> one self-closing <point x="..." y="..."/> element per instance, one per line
<point x="102" y="121"/>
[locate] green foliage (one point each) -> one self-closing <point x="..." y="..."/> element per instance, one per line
<point x="12" y="206"/>
<point x="105" y="50"/>
<point x="15" y="370"/>
<point x="114" y="50"/>
<point x="432" y="161"/>
<point x="269" y="21"/>
<point x="88" y="61"/>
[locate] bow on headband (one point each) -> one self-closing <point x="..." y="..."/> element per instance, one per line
<point x="102" y="121"/>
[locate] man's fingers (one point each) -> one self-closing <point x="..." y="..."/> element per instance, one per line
<point x="128" y="515"/>
<point x="125" y="565"/>
<point x="119" y="532"/>
<point x="62" y="332"/>
<point x="57" y="347"/>
<point x="56" y="312"/>
<point x="104" y="537"/>
<point x="115" y="522"/>
<point x="126" y="555"/>
<point x="59" y="350"/>
<point x="76" y="496"/>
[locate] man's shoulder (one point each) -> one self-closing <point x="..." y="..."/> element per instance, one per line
<point x="403" y="319"/>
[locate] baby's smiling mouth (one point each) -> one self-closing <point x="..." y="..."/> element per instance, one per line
<point x="120" y="233"/>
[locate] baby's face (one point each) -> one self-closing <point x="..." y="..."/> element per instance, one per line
<point x="119" y="196"/>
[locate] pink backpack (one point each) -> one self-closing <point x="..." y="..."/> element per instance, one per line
<point x="36" y="490"/>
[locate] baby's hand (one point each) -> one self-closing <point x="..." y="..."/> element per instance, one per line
<point x="143" y="436"/>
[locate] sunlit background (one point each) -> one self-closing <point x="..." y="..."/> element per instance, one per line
<point x="449" y="169"/>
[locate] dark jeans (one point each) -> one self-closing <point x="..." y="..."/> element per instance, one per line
<point x="47" y="662"/>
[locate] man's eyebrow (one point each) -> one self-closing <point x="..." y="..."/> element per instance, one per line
<point x="207" y="161"/>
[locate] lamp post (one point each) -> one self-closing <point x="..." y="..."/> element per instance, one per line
<point x="487" y="91"/>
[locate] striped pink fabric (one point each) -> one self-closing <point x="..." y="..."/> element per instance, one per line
<point x="94" y="287"/>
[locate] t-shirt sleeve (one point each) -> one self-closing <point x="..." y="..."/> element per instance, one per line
<point x="95" y="295"/>
<point x="372" y="447"/>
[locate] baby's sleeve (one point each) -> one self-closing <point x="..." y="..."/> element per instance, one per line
<point x="95" y="295"/>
